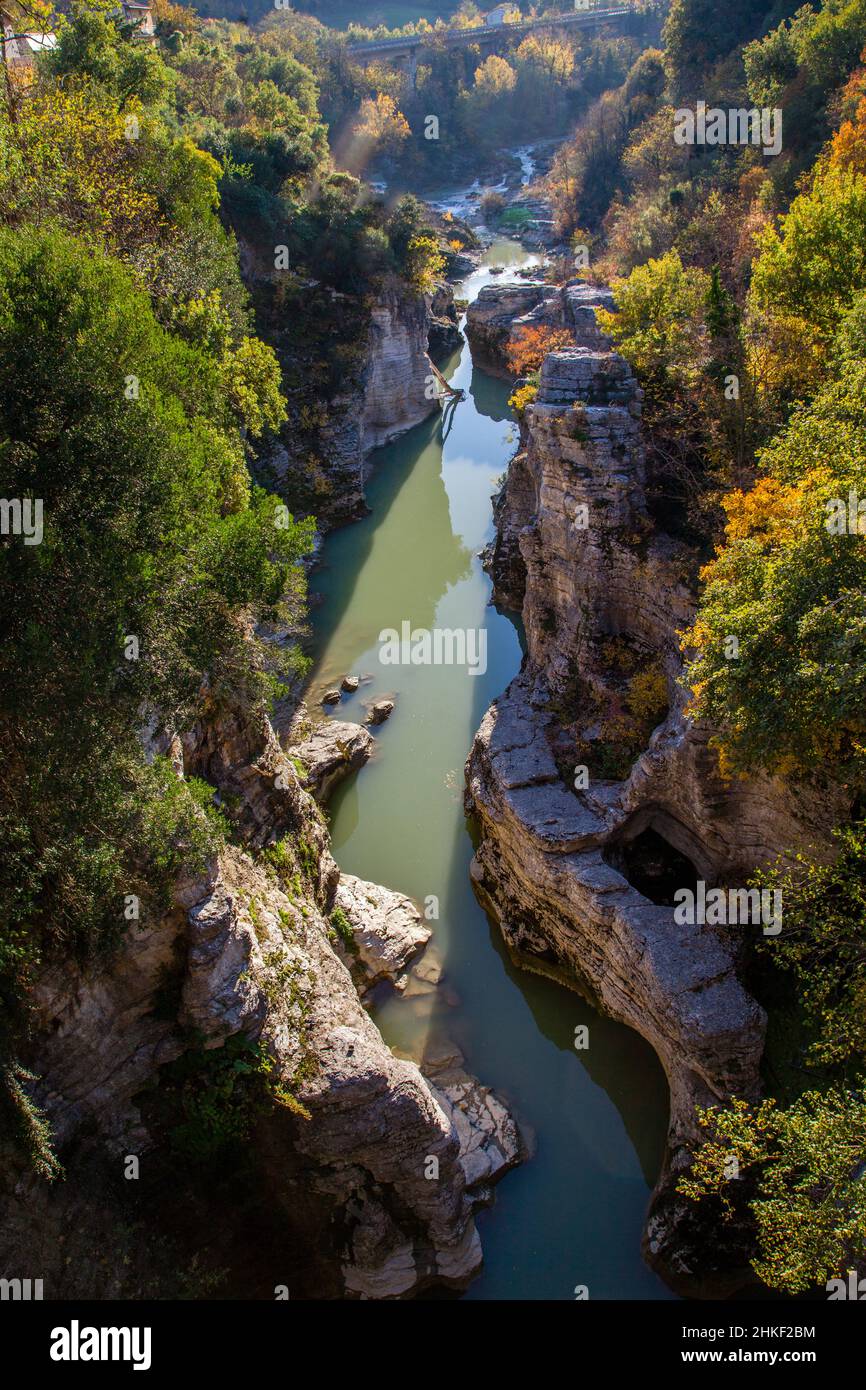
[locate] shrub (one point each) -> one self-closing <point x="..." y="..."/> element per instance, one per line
<point x="530" y="345"/>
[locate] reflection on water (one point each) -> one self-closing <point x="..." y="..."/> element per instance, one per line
<point x="572" y="1214"/>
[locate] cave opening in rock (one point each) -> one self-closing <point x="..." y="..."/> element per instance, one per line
<point x="652" y="866"/>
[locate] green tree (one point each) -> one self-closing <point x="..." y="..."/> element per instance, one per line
<point x="659" y="320"/>
<point x="823" y="944"/>
<point x="98" y="46"/>
<point x="800" y="1174"/>
<point x="150" y="556"/>
<point x="417" y="251"/>
<point x="697" y="33"/>
<point x="815" y="262"/>
<point x="789" y="584"/>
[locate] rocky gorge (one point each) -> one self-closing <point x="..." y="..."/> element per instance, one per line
<point x="361" y="1171"/>
<point x="578" y="856"/>
<point x="433" y="679"/>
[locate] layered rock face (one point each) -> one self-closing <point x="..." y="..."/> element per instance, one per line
<point x="395" y="383"/>
<point x="498" y="311"/>
<point x="501" y="310"/>
<point x="389" y="395"/>
<point x="361" y="1171"/>
<point x="579" y="858"/>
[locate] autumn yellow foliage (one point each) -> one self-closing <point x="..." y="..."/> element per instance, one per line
<point x="848" y="146"/>
<point x="381" y="124"/>
<point x="770" y="512"/>
<point x="523" y="396"/>
<point x="78" y="165"/>
<point x="648" y="694"/>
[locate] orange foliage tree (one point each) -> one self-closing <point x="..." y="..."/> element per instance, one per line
<point x="529" y="346"/>
<point x="848" y="146"/>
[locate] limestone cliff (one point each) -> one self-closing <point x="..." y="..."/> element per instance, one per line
<point x="588" y="818"/>
<point x="355" y="1172"/>
<point x="321" y="459"/>
<point x="499" y="310"/>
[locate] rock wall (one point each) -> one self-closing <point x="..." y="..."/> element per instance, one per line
<point x="359" y="1180"/>
<point x="577" y="552"/>
<point x="395" y="384"/>
<point x="500" y="310"/>
<point x="390" y="393"/>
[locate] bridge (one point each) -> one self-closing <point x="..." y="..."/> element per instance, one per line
<point x="405" y="50"/>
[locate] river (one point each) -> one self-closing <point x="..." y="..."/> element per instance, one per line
<point x="572" y="1214"/>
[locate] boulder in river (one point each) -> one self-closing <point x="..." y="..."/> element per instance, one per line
<point x="379" y="711"/>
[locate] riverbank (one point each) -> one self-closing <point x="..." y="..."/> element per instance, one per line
<point x="595" y="1117"/>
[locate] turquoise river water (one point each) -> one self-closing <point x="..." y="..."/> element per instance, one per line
<point x="572" y="1214"/>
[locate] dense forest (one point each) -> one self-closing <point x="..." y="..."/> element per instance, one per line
<point x="190" y="253"/>
<point x="534" y="89"/>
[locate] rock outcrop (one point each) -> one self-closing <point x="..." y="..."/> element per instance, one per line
<point x="582" y="837"/>
<point x="333" y="751"/>
<point x="357" y="1171"/>
<point x="490" y="1142"/>
<point x="499" y="310"/>
<point x="443" y="336"/>
<point x="390" y="393"/>
<point x="387" y="929"/>
<point x="579" y="303"/>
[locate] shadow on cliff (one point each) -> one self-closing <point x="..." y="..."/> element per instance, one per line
<point x="617" y="1058"/>
<point x="408" y="501"/>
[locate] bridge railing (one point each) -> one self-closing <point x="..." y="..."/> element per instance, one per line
<point x="597" y="11"/>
